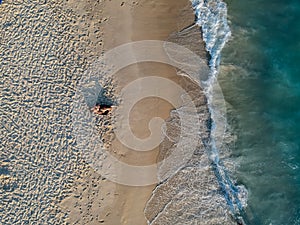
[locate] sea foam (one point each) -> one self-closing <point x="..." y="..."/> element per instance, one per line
<point x="211" y="16"/>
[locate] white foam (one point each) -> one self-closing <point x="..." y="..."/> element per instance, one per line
<point x="212" y="18"/>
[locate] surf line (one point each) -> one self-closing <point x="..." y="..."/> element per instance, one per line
<point x="211" y="17"/>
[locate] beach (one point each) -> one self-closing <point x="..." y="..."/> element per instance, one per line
<point x="46" y="48"/>
<point x="148" y="20"/>
<point x="144" y="20"/>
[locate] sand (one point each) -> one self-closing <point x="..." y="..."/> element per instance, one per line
<point x="195" y="197"/>
<point x="124" y="23"/>
<point x="45" y="48"/>
<point x="144" y="20"/>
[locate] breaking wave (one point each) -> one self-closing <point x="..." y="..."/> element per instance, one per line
<point x="211" y="16"/>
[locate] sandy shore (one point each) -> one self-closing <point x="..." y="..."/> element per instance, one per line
<point x="102" y="201"/>
<point x="45" y="48"/>
<point x="142" y="20"/>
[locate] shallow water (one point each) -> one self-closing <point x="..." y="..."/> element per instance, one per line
<point x="261" y="84"/>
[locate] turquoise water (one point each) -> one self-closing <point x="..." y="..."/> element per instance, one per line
<point x="260" y="78"/>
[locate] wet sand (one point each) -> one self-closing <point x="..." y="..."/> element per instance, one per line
<point x="145" y="20"/>
<point x="191" y="195"/>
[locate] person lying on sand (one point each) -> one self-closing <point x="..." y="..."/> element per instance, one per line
<point x="101" y="109"/>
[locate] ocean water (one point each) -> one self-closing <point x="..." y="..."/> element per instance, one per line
<point x="260" y="79"/>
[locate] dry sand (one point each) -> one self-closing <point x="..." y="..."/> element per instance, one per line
<point x="45" y="47"/>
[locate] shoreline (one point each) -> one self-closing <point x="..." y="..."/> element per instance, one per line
<point x="46" y="176"/>
<point x="120" y="204"/>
